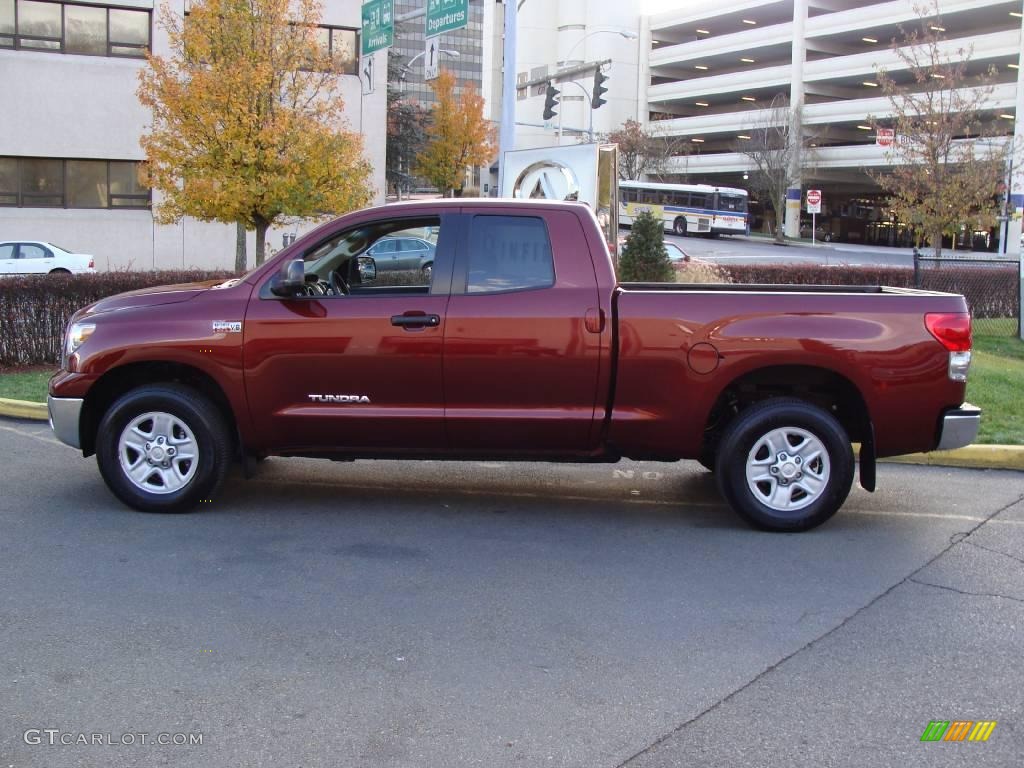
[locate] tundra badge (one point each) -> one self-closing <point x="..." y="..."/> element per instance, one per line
<point x="339" y="398"/>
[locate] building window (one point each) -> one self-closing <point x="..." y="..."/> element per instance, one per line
<point x="36" y="182"/>
<point x="89" y="30"/>
<point x="342" y="43"/>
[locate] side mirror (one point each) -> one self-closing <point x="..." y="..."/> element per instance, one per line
<point x="291" y="281"/>
<point x="367" y="266"/>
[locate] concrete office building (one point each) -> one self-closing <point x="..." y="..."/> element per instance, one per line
<point x="714" y="68"/>
<point x="69" y="133"/>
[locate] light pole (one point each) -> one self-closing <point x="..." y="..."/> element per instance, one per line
<point x="407" y="67"/>
<point x="627" y="34"/>
<point x="507" y="127"/>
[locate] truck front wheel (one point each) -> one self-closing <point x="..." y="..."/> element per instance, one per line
<point x="785" y="465"/>
<point x="163" y="448"/>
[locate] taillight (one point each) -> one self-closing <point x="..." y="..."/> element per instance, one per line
<point x="953" y="331"/>
<point x="92" y="263"/>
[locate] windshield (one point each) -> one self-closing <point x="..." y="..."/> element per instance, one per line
<point x="736" y="203"/>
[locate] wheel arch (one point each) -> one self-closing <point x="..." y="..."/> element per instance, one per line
<point x="117" y="381"/>
<point x="824" y="387"/>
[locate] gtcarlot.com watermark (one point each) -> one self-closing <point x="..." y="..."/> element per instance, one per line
<point x="57" y="737"/>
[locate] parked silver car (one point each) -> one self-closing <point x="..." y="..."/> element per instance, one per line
<point x="393" y="253"/>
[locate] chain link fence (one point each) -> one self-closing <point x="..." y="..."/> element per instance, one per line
<point x="990" y="285"/>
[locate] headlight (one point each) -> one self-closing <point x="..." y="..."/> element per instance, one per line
<point x="76" y="336"/>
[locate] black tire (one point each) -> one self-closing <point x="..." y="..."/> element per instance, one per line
<point x="752" y="426"/>
<point x="427" y="270"/>
<point x="679" y="226"/>
<point x="198" y="414"/>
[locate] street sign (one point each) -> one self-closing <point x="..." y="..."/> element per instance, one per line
<point x="884" y="137"/>
<point x="378" y="25"/>
<point x="366" y="74"/>
<point x="446" y="15"/>
<point x="431" y="58"/>
<point x="814" y="201"/>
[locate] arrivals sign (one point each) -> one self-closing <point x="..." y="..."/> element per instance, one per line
<point x="446" y="15"/>
<point x="378" y="25"/>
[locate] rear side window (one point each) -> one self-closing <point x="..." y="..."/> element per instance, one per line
<point x="31" y="251"/>
<point x="509" y="253"/>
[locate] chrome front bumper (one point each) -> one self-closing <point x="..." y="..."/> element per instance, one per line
<point x="959" y="427"/>
<point x="64" y="415"/>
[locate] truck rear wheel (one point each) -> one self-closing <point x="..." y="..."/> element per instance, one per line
<point x="785" y="465"/>
<point x="163" y="448"/>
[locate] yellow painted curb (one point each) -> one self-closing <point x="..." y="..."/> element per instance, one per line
<point x="23" y="409"/>
<point x="973" y="456"/>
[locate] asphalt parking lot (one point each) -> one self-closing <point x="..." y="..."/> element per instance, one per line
<point x="491" y="614"/>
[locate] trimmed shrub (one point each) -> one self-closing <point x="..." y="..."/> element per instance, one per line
<point x="643" y="257"/>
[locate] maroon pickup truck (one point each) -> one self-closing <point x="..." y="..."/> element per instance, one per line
<point x="514" y="342"/>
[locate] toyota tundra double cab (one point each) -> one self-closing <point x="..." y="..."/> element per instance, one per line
<point x="518" y="343"/>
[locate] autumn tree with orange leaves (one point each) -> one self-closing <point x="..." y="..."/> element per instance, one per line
<point x="247" y="119"/>
<point x="458" y="138"/>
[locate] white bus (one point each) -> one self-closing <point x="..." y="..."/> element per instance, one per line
<point x="687" y="209"/>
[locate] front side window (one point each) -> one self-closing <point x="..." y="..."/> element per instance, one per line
<point x="7" y="251"/>
<point x="509" y="253"/>
<point x="365" y="260"/>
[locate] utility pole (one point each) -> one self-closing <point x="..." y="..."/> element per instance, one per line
<point x="507" y="130"/>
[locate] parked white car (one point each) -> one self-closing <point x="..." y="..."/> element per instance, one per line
<point x="34" y="257"/>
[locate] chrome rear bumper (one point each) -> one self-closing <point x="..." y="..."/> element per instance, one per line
<point x="959" y="427"/>
<point x="64" y="416"/>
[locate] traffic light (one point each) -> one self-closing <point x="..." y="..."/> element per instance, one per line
<point x="550" y="102"/>
<point x="599" y="89"/>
